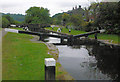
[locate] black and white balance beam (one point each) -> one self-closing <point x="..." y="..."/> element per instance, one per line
<point x="19" y="31"/>
<point x="11" y="30"/>
<point x="89" y="33"/>
<point x="33" y="33"/>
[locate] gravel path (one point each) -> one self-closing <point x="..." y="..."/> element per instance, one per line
<point x="52" y="48"/>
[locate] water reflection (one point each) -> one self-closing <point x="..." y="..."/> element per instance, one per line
<point x="80" y="64"/>
<point x="108" y="59"/>
<point x="89" y="62"/>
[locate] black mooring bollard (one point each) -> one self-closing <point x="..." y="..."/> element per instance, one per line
<point x="50" y="68"/>
<point x="70" y="40"/>
<point x="40" y="37"/>
<point x="61" y="40"/>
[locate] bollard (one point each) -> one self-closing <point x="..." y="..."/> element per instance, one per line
<point x="61" y="40"/>
<point x="86" y="36"/>
<point x="95" y="36"/>
<point x="70" y="40"/>
<point x="41" y="37"/>
<point x="50" y="68"/>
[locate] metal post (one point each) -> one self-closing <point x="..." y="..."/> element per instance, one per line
<point x="62" y="39"/>
<point x="40" y="37"/>
<point x="50" y="64"/>
<point x="70" y="40"/>
<point x="95" y="36"/>
<point x="86" y="36"/>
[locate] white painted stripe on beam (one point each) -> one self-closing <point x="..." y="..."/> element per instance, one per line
<point x="101" y="31"/>
<point x="50" y="62"/>
<point x="11" y="30"/>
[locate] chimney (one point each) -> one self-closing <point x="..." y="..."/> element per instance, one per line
<point x="76" y="7"/>
<point x="79" y="6"/>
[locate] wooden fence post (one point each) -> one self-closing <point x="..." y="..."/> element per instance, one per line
<point x="50" y="64"/>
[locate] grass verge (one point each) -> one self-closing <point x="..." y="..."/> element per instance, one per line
<point x="64" y="30"/>
<point x="17" y="28"/>
<point x="22" y="59"/>
<point x="112" y="38"/>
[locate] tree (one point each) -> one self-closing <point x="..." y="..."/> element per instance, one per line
<point x="108" y="16"/>
<point x="10" y="19"/>
<point x="65" y="18"/>
<point x="57" y="19"/>
<point x="37" y="15"/>
<point x="87" y="14"/>
<point x="5" y="22"/>
<point x="77" y="20"/>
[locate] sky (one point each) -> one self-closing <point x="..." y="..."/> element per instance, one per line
<point x="55" y="6"/>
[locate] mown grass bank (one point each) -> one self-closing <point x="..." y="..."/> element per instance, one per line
<point x="64" y="30"/>
<point x="110" y="37"/>
<point x="23" y="59"/>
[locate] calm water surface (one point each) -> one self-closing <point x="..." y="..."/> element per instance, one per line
<point x="89" y="62"/>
